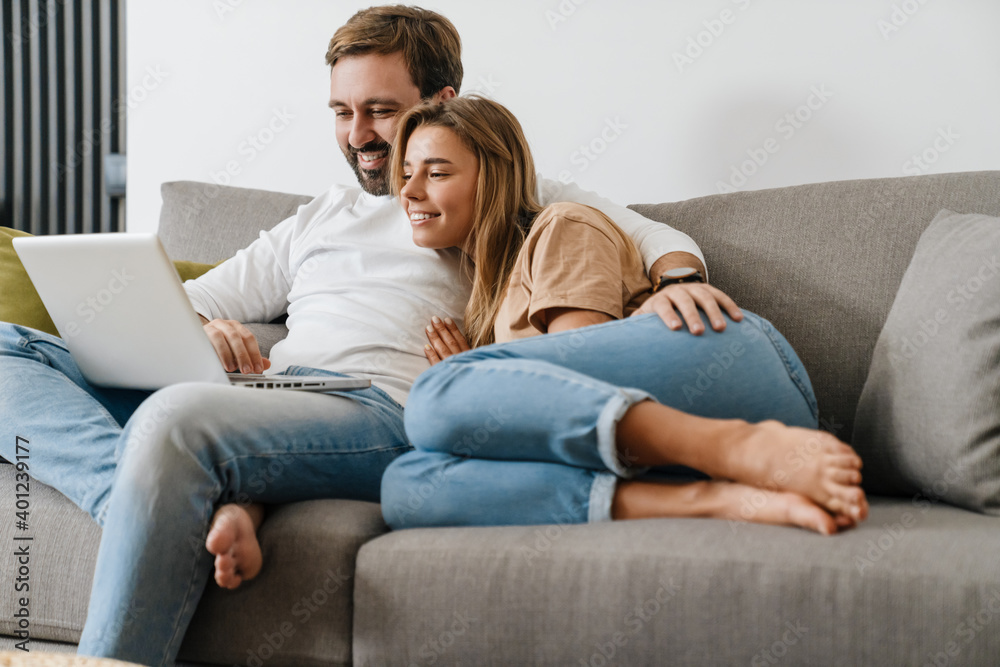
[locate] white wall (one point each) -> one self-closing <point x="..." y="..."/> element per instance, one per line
<point x="898" y="79"/>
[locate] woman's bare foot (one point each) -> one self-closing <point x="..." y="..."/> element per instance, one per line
<point x="812" y="463"/>
<point x="233" y="540"/>
<point x="741" y="502"/>
<point x="768" y="455"/>
<point x="637" y="499"/>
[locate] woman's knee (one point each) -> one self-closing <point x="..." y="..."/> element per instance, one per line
<point x="409" y="487"/>
<point x="433" y="407"/>
<point x="762" y="339"/>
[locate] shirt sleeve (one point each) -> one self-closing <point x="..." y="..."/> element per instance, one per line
<point x="655" y="239"/>
<point x="573" y="264"/>
<point x="253" y="285"/>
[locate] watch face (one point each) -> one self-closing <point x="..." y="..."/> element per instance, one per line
<point x="680" y="272"/>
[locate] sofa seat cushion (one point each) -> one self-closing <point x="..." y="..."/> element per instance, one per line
<point x="916" y="579"/>
<point x="300" y="602"/>
<point x="823" y="263"/>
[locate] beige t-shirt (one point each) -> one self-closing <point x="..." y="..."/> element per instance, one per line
<point x="572" y="258"/>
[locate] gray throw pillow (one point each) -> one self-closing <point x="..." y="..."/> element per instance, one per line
<point x="929" y="414"/>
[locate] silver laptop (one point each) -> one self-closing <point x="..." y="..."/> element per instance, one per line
<point x="118" y="304"/>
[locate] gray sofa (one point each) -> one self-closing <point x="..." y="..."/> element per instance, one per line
<point x="918" y="583"/>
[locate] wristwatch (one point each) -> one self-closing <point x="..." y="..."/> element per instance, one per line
<point x="683" y="274"/>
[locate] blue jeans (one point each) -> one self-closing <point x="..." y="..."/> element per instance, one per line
<point x="523" y="432"/>
<point x="152" y="467"/>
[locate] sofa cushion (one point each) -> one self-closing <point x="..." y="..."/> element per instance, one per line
<point x="301" y="601"/>
<point x="823" y="263"/>
<point x="929" y="414"/>
<point x="20" y="302"/>
<point x="913" y="581"/>
<point x="205" y="222"/>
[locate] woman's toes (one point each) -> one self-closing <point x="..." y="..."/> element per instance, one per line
<point x="810" y="516"/>
<point x="845" y="477"/>
<point x="843" y="462"/>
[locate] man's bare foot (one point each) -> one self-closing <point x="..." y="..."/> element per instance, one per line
<point x="812" y="463"/>
<point x="233" y="540"/>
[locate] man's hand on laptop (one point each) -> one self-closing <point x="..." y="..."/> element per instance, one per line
<point x="236" y="346"/>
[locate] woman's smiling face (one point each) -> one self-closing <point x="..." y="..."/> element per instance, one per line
<point x="439" y="194"/>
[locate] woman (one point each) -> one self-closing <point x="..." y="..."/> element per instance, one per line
<point x="563" y="427"/>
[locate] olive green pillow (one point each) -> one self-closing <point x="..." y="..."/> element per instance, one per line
<point x="19" y="302"/>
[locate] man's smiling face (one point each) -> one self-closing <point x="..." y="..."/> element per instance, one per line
<point x="368" y="93"/>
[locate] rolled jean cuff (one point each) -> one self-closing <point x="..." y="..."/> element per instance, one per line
<point x="602" y="493"/>
<point x="607" y="424"/>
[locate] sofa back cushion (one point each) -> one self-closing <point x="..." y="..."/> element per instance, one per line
<point x="823" y="263"/>
<point x="204" y="222"/>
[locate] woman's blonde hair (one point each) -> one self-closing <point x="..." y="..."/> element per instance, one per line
<point x="505" y="195"/>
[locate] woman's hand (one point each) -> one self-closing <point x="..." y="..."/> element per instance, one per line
<point x="687" y="298"/>
<point x="445" y="340"/>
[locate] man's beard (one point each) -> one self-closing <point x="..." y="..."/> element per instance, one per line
<point x="373" y="181"/>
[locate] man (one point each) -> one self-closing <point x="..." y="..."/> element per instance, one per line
<point x="151" y="468"/>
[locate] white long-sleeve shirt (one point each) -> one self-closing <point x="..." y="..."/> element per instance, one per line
<point x="358" y="292"/>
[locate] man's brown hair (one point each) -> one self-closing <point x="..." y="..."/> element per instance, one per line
<point x="428" y="41"/>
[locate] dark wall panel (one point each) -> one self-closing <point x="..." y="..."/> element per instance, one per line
<point x="61" y="62"/>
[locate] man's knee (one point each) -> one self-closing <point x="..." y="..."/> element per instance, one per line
<point x="15" y="339"/>
<point x="175" y="419"/>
